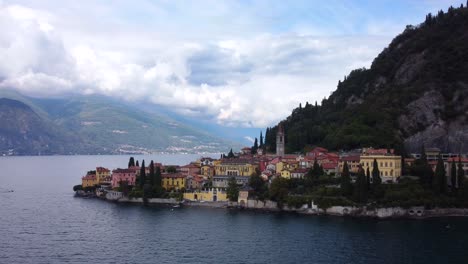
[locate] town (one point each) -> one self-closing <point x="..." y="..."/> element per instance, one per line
<point x="356" y="177"/>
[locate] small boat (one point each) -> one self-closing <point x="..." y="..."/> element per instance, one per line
<point x="176" y="206"/>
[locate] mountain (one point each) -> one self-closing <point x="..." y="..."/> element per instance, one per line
<point x="415" y="93"/>
<point x="95" y="125"/>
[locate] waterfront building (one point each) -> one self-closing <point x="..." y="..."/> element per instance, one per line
<point x="207" y="195"/>
<point x="448" y="165"/>
<point x="103" y="175"/>
<point x="298" y="173"/>
<point x="221" y="181"/>
<point x="280" y="141"/>
<point x="389" y="166"/>
<point x="89" y="180"/>
<point x="235" y="167"/>
<point x="353" y="163"/>
<point x="123" y="175"/>
<point x="173" y="181"/>
<point x="194" y="182"/>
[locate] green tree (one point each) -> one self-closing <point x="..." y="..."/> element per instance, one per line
<point x="230" y="154"/>
<point x="424" y="170"/>
<point x="151" y="174"/>
<point x="257" y="184"/>
<point x="440" y="180"/>
<point x="232" y="190"/>
<point x="368" y="176"/>
<point x="345" y="186"/>
<point x="261" y="139"/>
<point x="460" y="174"/>
<point x="137" y="164"/>
<point x="142" y="174"/>
<point x="279" y="190"/>
<point x="171" y="169"/>
<point x="453" y="175"/>
<point x="255" y="146"/>
<point x="376" y="180"/>
<point x="360" y="189"/>
<point x="77" y="188"/>
<point x="157" y="177"/>
<point x="131" y="162"/>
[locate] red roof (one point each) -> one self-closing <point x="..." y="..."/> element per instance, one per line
<point x="372" y="151"/>
<point x="300" y="171"/>
<point x="172" y="175"/>
<point x="89" y="177"/>
<point x="463" y="160"/>
<point x="124" y="171"/>
<point x="351" y="158"/>
<point x="329" y="165"/>
<point x="101" y="169"/>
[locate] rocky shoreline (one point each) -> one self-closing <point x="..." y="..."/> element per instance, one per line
<point x="417" y="212"/>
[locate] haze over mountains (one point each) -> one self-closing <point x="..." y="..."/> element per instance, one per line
<point x="94" y="125"/>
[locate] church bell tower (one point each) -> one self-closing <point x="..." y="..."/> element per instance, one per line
<point x="280" y="140"/>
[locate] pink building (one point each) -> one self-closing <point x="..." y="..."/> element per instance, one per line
<point x="190" y="169"/>
<point x="119" y="175"/>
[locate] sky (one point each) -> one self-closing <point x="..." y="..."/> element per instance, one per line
<point x="243" y="64"/>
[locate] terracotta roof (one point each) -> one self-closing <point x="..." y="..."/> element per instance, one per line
<point x="172" y="175"/>
<point x="101" y="169"/>
<point x="351" y="158"/>
<point x="463" y="160"/>
<point x="300" y="171"/>
<point x="329" y="165"/>
<point x="89" y="177"/>
<point x="123" y="171"/>
<point x="191" y="165"/>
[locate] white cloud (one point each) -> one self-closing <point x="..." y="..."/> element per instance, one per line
<point x="235" y="78"/>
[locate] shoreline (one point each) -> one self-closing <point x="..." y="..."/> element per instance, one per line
<point x="416" y="212"/>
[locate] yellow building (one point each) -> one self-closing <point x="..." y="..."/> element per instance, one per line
<point x="207" y="171"/>
<point x="389" y="166"/>
<point x="207" y="195"/>
<point x="103" y="175"/>
<point x="89" y="180"/>
<point x="173" y="181"/>
<point x="290" y="166"/>
<point x="286" y="174"/>
<point x="353" y="162"/>
<point x="235" y="167"/>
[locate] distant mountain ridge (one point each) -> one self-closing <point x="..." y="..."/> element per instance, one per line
<point x="94" y="125"/>
<point x="414" y="94"/>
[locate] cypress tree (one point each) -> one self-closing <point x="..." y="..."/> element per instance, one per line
<point x="376" y="180"/>
<point x="137" y="164"/>
<point x="453" y="175"/>
<point x="360" y="188"/>
<point x="255" y="147"/>
<point x="426" y="171"/>
<point x="460" y="174"/>
<point x="151" y="173"/>
<point x="345" y="185"/>
<point x="261" y="139"/>
<point x="230" y="154"/>
<point x="142" y="174"/>
<point x="316" y="169"/>
<point x="157" y="177"/>
<point x="131" y="162"/>
<point x="440" y="181"/>
<point x="368" y="176"/>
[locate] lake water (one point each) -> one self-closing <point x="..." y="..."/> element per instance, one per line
<point x="41" y="222"/>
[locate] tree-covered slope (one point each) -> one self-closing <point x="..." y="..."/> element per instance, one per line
<point x="94" y="125"/>
<point x="415" y="93"/>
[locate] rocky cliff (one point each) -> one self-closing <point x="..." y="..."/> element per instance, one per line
<point x="414" y="94"/>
